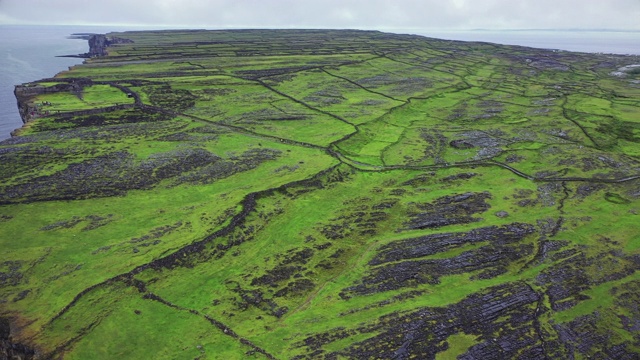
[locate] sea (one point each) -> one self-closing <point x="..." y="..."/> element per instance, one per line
<point x="29" y="53"/>
<point x="607" y="42"/>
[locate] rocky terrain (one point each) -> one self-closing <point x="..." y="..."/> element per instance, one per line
<point x="304" y="194"/>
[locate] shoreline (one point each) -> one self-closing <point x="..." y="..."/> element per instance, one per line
<point x="30" y="54"/>
<point x="23" y="93"/>
<point x="98" y="43"/>
<point x="291" y="174"/>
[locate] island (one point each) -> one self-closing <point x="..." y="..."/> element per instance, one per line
<point x="323" y="194"/>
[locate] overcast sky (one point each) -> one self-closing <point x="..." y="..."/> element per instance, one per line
<point x="358" y="14"/>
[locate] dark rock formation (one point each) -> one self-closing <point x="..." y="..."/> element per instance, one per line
<point x="448" y="210"/>
<point x="503" y="319"/>
<point x="9" y="349"/>
<point x="402" y="264"/>
<point x="98" y="44"/>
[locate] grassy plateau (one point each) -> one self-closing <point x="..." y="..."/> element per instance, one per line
<point x="311" y="194"/>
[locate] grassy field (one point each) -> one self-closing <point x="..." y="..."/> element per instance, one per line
<point x="324" y="194"/>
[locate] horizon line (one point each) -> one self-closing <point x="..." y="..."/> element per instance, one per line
<point x="381" y="28"/>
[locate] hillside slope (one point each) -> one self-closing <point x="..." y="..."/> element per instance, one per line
<point x="324" y="194"/>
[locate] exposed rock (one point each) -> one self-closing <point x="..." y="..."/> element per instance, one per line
<point x="98" y="44"/>
<point x="503" y="318"/>
<point x="10" y="350"/>
<point x="398" y="264"/>
<point x="448" y="210"/>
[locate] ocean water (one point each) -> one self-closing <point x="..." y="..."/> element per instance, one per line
<point x="608" y="42"/>
<point x="28" y="53"/>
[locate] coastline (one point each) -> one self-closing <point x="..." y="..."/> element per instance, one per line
<point x="32" y="52"/>
<point x="29" y="111"/>
<point x="238" y="137"/>
<point x="98" y="42"/>
<point x="29" y="53"/>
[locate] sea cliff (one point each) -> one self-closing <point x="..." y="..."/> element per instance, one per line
<point x="304" y="194"/>
<point x="99" y="43"/>
<point x="25" y="93"/>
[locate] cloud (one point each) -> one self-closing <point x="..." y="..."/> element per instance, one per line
<point x="371" y="14"/>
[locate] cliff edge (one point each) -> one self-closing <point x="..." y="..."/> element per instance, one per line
<point x="29" y="110"/>
<point x="98" y="44"/>
<point x="24" y="94"/>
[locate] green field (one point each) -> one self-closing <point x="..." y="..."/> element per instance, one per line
<point x="304" y="194"/>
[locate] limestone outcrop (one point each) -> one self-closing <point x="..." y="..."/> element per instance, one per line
<point x="98" y="44"/>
